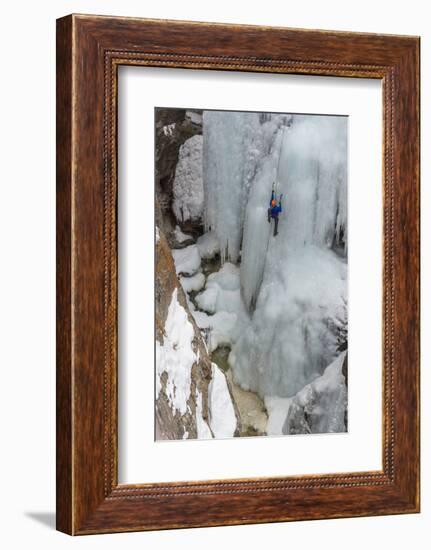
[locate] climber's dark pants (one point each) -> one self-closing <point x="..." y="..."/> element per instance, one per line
<point x="275" y="226"/>
<point x="275" y="222"/>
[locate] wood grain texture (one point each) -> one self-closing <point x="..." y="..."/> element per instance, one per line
<point x="64" y="497"/>
<point x="90" y="49"/>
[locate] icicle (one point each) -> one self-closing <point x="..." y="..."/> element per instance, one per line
<point x="233" y="145"/>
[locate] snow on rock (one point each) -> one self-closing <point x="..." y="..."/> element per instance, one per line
<point x="221" y="298"/>
<point x="181" y="237"/>
<point x="277" y="408"/>
<point x="183" y="366"/>
<point x="222" y="413"/>
<point x="194" y="117"/>
<point x="194" y="283"/>
<point x="207" y="300"/>
<point x="222" y="291"/>
<point x="320" y="407"/>
<point x="188" y="184"/>
<point x="175" y="357"/>
<point x="201" y="318"/>
<point x="220" y="327"/>
<point x="208" y="245"/>
<point x="157" y="234"/>
<point x="168" y="129"/>
<point x="187" y="260"/>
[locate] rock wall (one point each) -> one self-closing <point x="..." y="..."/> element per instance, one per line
<point x="184" y="372"/>
<point x="173" y="128"/>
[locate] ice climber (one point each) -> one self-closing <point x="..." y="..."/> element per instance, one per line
<point x="274" y="210"/>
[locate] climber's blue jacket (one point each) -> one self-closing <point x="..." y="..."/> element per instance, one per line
<point x="275" y="210"/>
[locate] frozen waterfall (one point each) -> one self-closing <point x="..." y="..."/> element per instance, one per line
<point x="294" y="286"/>
<point x="235" y="145"/>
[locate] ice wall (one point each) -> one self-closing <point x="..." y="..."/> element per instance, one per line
<point x="256" y="230"/>
<point x="294" y="285"/>
<point x="293" y="333"/>
<point x="234" y="145"/>
<point x="314" y="177"/>
<point x="320" y="406"/>
<point x="309" y="163"/>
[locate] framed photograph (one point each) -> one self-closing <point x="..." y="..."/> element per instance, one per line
<point x="237" y="274"/>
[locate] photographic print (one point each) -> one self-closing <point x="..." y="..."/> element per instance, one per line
<point x="251" y="255"/>
<point x="212" y="282"/>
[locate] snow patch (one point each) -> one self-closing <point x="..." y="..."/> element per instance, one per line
<point x="168" y="130"/>
<point x="219" y="328"/>
<point x="181" y="237"/>
<point x="277" y="408"/>
<point x="175" y="356"/>
<point x="207" y="300"/>
<point x="187" y="260"/>
<point x="222" y="413"/>
<point x="208" y="245"/>
<point x="222" y="300"/>
<point x="222" y="291"/>
<point x="194" y="283"/>
<point x="195" y="118"/>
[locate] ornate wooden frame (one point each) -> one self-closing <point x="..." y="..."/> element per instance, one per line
<point x="89" y="51"/>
